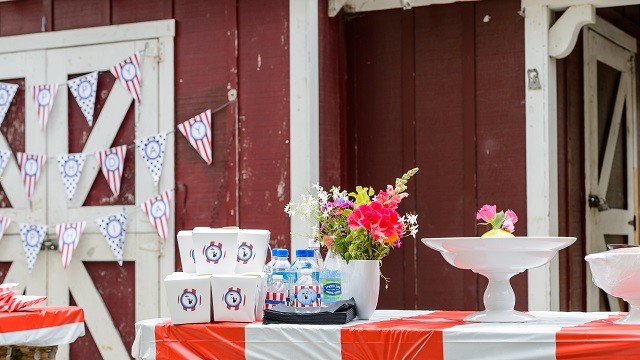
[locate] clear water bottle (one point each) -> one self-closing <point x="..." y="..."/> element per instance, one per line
<point x="269" y="266"/>
<point x="282" y="266"/>
<point x="304" y="260"/>
<point x="277" y="292"/>
<point x="317" y="256"/>
<point x="307" y="293"/>
<point x="332" y="278"/>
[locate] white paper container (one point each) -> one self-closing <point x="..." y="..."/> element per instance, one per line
<point x="188" y="297"/>
<point x="216" y="250"/>
<point x="237" y="298"/>
<point x="252" y="251"/>
<point x="187" y="256"/>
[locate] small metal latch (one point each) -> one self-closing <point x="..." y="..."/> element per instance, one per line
<point x="47" y="244"/>
<point x="595" y="201"/>
<point x="632" y="222"/>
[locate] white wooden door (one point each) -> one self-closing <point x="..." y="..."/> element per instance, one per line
<point x="79" y="52"/>
<point x="610" y="146"/>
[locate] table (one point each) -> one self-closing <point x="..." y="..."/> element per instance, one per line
<point x="395" y="334"/>
<point x="41" y="326"/>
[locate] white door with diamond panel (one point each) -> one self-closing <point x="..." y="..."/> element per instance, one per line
<point x="55" y="58"/>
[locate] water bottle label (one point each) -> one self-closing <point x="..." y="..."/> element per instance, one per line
<point x="307" y="295"/>
<point x="331" y="290"/>
<point x="274" y="298"/>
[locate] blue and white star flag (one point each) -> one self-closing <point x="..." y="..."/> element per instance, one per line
<point x="113" y="229"/>
<point x="7" y="92"/>
<point x="84" y="90"/>
<point x="152" y="151"/>
<point x="4" y="224"/>
<point x="70" y="166"/>
<point x="32" y="239"/>
<point x="5" y="155"/>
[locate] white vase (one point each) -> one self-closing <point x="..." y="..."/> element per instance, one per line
<point x="363" y="284"/>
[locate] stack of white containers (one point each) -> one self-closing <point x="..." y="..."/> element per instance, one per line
<point x="222" y="270"/>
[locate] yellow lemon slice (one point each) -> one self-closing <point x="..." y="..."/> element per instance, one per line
<point x="497" y="233"/>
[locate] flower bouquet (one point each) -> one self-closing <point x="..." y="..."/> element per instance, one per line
<point x="358" y="225"/>
<point x="502" y="223"/>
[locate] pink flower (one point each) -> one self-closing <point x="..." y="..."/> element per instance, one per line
<point x="510" y="215"/>
<point x="328" y="241"/>
<point x="508" y="225"/>
<point x="487" y="213"/>
<point x="382" y="223"/>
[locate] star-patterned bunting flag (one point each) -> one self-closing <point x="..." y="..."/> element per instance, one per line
<point x="112" y="162"/>
<point x="7" y="92"/>
<point x="198" y="131"/>
<point x="152" y="151"/>
<point x="113" y="229"/>
<point x="84" y="90"/>
<point x="30" y="168"/>
<point x="5" y="155"/>
<point x="32" y="239"/>
<point x="68" y="238"/>
<point x="128" y="72"/>
<point x="70" y="167"/>
<point x="43" y="96"/>
<point x="157" y="209"/>
<point x="4" y="224"/>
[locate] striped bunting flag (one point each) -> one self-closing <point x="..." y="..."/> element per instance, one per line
<point x="198" y="131"/>
<point x="128" y="72"/>
<point x="68" y="238"/>
<point x="7" y="92"/>
<point x="4" y="224"/>
<point x="157" y="209"/>
<point x="30" y="168"/>
<point x="112" y="162"/>
<point x="43" y="96"/>
<point x="32" y="239"/>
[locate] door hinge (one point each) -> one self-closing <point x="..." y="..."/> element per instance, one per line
<point x="632" y="222"/>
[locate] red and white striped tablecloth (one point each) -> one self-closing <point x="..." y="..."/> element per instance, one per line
<point x="41" y="326"/>
<point x="394" y="334"/>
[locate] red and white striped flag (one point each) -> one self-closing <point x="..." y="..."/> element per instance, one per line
<point x="128" y="72"/>
<point x="112" y="162"/>
<point x="30" y="168"/>
<point x="198" y="131"/>
<point x="68" y="238"/>
<point x="4" y="224"/>
<point x="43" y="96"/>
<point x="157" y="209"/>
<point x="17" y="302"/>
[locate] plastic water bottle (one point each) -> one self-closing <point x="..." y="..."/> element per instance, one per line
<point x="268" y="268"/>
<point x="277" y="292"/>
<point x="307" y="293"/>
<point x="332" y="278"/>
<point x="282" y="266"/>
<point x="315" y="245"/>
<point x="304" y="260"/>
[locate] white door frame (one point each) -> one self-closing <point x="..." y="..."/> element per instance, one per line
<point x="159" y="108"/>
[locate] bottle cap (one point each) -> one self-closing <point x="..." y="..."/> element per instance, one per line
<point x="284" y="252"/>
<point x="310" y="253"/>
<point x="301" y="253"/>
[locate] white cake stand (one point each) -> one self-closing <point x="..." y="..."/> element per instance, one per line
<point x="498" y="259"/>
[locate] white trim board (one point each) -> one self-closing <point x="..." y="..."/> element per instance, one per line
<point x="88" y="36"/>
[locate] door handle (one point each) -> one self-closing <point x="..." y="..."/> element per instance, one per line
<point x="594" y="201"/>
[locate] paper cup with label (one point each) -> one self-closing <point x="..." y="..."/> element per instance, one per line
<point x="215" y="250"/>
<point x="187" y="254"/>
<point x="235" y="297"/>
<point x="252" y="251"/>
<point x="188" y="297"/>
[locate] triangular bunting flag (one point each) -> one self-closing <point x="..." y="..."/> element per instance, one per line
<point x="32" y="239"/>
<point x="4" y="159"/>
<point x="157" y="209"/>
<point x="152" y="151"/>
<point x="70" y="167"/>
<point x="43" y="96"/>
<point x="4" y="224"/>
<point x="30" y="168"/>
<point x="128" y="72"/>
<point x="113" y="229"/>
<point x="112" y="162"/>
<point x="84" y="89"/>
<point x="68" y="238"/>
<point x="198" y="131"/>
<point x="7" y="92"/>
